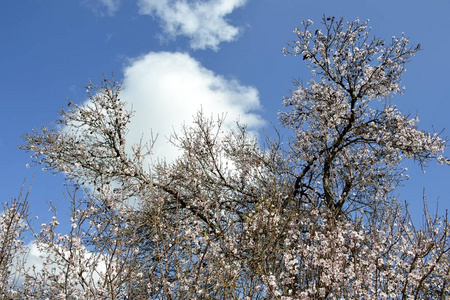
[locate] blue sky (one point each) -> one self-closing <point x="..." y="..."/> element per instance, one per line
<point x="222" y="55"/>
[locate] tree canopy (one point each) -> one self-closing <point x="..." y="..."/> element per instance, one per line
<point x="311" y="217"/>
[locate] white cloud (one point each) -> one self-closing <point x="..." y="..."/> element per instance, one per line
<point x="103" y="7"/>
<point x="203" y="21"/>
<point x="167" y="89"/>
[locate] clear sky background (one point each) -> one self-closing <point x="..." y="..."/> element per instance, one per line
<point x="177" y="56"/>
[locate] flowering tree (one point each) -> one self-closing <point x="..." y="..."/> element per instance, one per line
<point x="313" y="218"/>
<point x="13" y="224"/>
<point x="350" y="147"/>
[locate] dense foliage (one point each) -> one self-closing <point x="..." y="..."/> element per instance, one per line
<point x="313" y="217"/>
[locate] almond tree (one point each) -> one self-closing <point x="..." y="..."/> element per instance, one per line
<point x="347" y="149"/>
<point x="313" y="218"/>
<point x="13" y="225"/>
